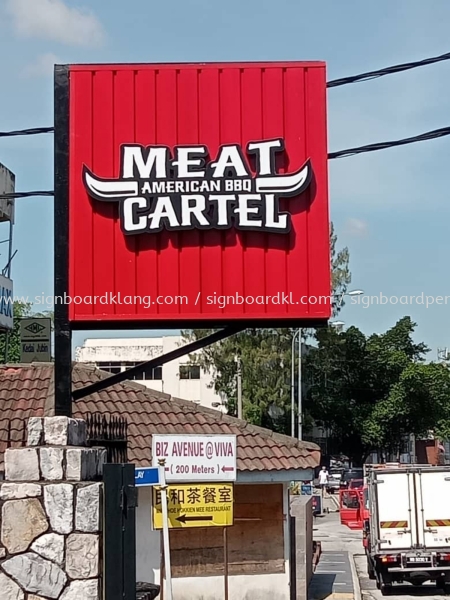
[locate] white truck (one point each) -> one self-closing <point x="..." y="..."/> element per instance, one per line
<point x="407" y="525"/>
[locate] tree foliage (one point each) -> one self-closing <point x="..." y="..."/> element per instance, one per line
<point x="11" y="341"/>
<point x="266" y="356"/>
<point x="370" y="392"/>
<point x="340" y="271"/>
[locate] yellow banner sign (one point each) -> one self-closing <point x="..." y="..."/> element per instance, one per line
<point x="195" y="505"/>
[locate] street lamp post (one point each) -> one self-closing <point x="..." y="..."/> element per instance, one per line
<point x="299" y="384"/>
<point x="239" y="386"/>
<point x="297" y="333"/>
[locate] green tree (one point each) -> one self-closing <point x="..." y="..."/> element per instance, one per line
<point x="265" y="356"/>
<point x="370" y="392"/>
<point x="340" y="270"/>
<point x="10" y="342"/>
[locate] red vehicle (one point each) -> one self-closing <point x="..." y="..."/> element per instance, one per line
<point x="351" y="503"/>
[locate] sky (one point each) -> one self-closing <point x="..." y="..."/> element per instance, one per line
<point x="391" y="208"/>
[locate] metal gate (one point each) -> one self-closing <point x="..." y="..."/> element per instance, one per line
<point x="119" y="533"/>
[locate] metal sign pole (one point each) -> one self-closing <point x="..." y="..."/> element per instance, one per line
<point x="165" y="517"/>
<point x="225" y="560"/>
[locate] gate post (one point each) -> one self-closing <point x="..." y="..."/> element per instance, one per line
<point x="119" y="561"/>
<point x="51" y="518"/>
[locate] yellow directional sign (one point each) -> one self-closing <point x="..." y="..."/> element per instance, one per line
<point x="195" y="505"/>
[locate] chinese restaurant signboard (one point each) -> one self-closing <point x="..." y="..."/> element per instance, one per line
<point x="193" y="194"/>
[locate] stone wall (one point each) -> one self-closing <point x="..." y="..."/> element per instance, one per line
<point x="51" y="515"/>
<point x="301" y="510"/>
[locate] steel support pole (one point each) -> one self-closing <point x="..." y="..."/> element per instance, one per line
<point x="299" y="391"/>
<point x="166" y="539"/>
<point x="63" y="330"/>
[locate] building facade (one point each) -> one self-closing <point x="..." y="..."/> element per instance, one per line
<point x="179" y="378"/>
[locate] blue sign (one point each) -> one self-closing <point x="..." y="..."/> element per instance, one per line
<point x="6" y="303"/>
<point x="146" y="476"/>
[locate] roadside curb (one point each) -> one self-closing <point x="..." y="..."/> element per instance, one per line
<point x="335" y="502"/>
<point x="355" y="578"/>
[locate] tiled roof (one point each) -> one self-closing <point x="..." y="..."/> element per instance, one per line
<point x="27" y="390"/>
<point x="23" y="393"/>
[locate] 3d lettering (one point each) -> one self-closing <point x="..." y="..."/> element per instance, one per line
<point x="187" y="191"/>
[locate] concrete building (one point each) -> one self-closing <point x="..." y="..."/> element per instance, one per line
<point x="179" y="378"/>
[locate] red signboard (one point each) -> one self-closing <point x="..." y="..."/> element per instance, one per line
<point x="195" y="193"/>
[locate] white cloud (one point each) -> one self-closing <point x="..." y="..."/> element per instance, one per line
<point x="356" y="228"/>
<point x="54" y="20"/>
<point x="42" y="66"/>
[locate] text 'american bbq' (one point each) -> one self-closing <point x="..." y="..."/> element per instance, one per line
<point x="189" y="191"/>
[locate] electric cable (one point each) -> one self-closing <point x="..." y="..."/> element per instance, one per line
<point x="429" y="135"/>
<point x="330" y="84"/>
<point x="15" y="195"/>
<point x="34" y="131"/>
<point x="387" y="71"/>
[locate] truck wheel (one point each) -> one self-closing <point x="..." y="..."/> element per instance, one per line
<point x="386" y="589"/>
<point x="441" y="584"/>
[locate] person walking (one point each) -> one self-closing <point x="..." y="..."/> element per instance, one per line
<point x="323" y="480"/>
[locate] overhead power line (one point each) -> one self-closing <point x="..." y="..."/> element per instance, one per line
<point x="35" y="131"/>
<point x="429" y="135"/>
<point x="387" y="71"/>
<point x="330" y="84"/>
<point x="15" y="195"/>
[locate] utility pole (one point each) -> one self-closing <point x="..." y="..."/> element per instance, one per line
<point x="239" y="388"/>
<point x="300" y="405"/>
<point x="293" y="383"/>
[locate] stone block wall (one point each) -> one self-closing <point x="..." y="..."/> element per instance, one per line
<point x="301" y="510"/>
<point x="51" y="515"/>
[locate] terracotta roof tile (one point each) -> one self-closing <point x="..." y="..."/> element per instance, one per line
<point x="25" y="390"/>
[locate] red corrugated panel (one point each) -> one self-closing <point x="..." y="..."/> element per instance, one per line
<point x="212" y="105"/>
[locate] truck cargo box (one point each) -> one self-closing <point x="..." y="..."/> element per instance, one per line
<point x="411" y="507"/>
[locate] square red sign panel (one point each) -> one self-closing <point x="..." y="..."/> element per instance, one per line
<point x="197" y="194"/>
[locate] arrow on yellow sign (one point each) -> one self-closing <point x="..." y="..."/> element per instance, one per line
<point x="186" y="519"/>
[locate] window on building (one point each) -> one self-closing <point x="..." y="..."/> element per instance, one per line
<point x="189" y="372"/>
<point x="110" y="367"/>
<point x="149" y="375"/>
<point x="155" y="374"/>
<point x="118" y="367"/>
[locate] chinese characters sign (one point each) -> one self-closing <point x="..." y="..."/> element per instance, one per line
<point x="195" y="505"/>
